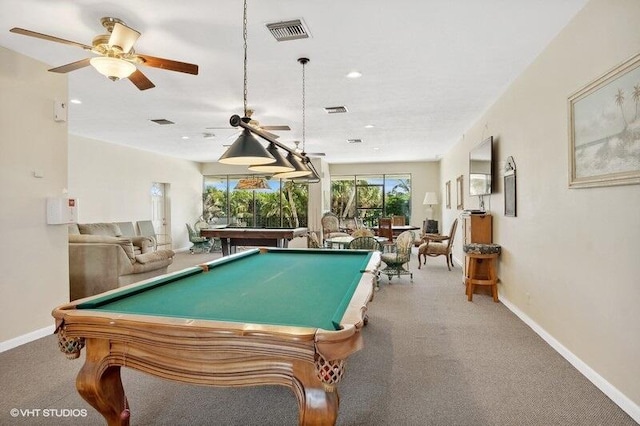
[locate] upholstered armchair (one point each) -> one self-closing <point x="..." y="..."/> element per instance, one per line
<point x="398" y="256"/>
<point x="438" y="245"/>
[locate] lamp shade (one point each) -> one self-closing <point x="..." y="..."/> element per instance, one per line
<point x="300" y="168"/>
<point x="430" y="198"/>
<point x="247" y="151"/>
<point x="252" y="183"/>
<point x="113" y="68"/>
<point x="281" y="164"/>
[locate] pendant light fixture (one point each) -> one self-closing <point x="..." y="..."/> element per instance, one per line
<point x="247" y="149"/>
<point x="299" y="163"/>
<point x="281" y="164"/>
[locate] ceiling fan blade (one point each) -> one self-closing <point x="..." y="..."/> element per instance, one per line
<point x="141" y="81"/>
<point x="261" y="129"/>
<point x="280" y="128"/>
<point x="72" y="66"/>
<point x="30" y="33"/>
<point x="123" y="37"/>
<point x="269" y="133"/>
<point x="168" y="64"/>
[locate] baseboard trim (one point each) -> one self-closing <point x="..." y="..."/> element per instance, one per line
<point x="627" y="405"/>
<point x="26" y="338"/>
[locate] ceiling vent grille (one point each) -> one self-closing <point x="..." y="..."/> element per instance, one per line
<point x="288" y="30"/>
<point x="354" y="140"/>
<point x="336" y="110"/>
<point x="162" y="121"/>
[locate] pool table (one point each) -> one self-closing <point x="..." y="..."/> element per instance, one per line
<point x="232" y="237"/>
<point x="261" y="317"/>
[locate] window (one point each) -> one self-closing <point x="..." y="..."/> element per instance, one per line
<point x="369" y="197"/>
<point x="283" y="204"/>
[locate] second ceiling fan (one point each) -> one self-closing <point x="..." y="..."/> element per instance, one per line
<point x="116" y="57"/>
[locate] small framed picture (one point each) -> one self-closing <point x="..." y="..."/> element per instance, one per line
<point x="447" y="194"/>
<point x="460" y="193"/>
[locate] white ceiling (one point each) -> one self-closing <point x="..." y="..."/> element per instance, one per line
<point x="429" y="69"/>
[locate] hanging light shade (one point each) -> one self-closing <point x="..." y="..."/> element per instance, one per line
<point x="281" y="164"/>
<point x="312" y="177"/>
<point x="300" y="168"/>
<point x="252" y="183"/>
<point x="247" y="151"/>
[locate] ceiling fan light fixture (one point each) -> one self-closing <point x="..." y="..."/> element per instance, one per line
<point x="281" y="164"/>
<point x="247" y="151"/>
<point x="112" y="68"/>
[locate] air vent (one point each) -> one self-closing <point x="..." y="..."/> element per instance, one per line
<point x="288" y="30"/>
<point x="336" y="109"/>
<point x="162" y="121"/>
<point x="354" y="140"/>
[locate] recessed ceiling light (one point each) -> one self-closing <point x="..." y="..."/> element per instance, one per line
<point x="369" y="126"/>
<point x="375" y="148"/>
<point x="185" y="138"/>
<point x="75" y="101"/>
<point x="354" y="74"/>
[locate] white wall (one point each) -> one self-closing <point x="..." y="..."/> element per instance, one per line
<point x="33" y="255"/>
<point x="570" y="261"/>
<point x="113" y="183"/>
<point x="425" y="176"/>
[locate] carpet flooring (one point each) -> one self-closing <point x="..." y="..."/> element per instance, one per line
<point x="430" y="358"/>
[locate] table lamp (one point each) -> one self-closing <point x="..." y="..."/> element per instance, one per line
<point x="430" y="198"/>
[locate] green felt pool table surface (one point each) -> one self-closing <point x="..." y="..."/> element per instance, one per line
<point x="304" y="288"/>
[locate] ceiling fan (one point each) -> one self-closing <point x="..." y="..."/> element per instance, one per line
<point x="256" y="124"/>
<point x="308" y="154"/>
<point x="117" y="58"/>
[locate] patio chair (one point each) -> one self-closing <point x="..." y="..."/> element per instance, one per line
<point x="331" y="226"/>
<point x="371" y="244"/>
<point x="399" y="256"/>
<point x="199" y="244"/>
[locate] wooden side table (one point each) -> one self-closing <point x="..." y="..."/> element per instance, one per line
<point x="481" y="269"/>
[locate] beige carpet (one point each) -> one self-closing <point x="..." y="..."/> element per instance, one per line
<point x="430" y="358"/>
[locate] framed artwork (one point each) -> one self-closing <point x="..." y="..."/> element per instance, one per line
<point x="459" y="193"/>
<point x="447" y="194"/>
<point x="510" y="187"/>
<point x="604" y="129"/>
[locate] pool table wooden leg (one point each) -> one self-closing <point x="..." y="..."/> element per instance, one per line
<point x="318" y="402"/>
<point x="100" y="385"/>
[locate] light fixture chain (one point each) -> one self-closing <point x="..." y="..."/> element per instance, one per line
<point x="244" y="35"/>
<point x="303" y="108"/>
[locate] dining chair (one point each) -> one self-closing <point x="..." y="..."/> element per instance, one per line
<point x="398" y="220"/>
<point x="385" y="228"/>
